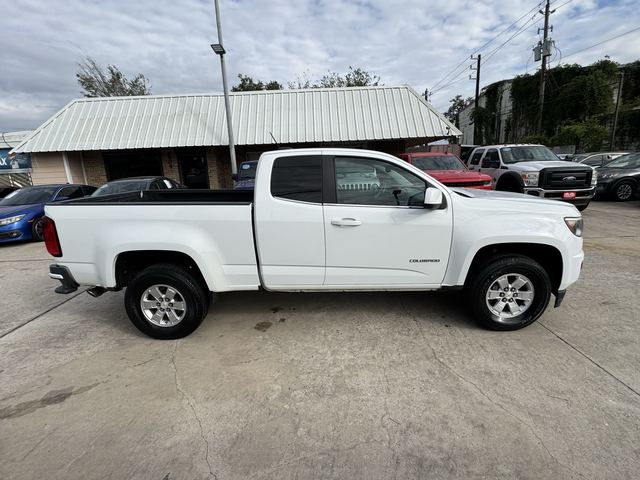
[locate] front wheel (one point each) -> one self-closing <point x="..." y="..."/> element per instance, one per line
<point x="623" y="191"/>
<point x="36" y="229"/>
<point x="166" y="301"/>
<point x="509" y="292"/>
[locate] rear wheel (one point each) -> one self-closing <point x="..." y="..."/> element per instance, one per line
<point x="165" y="301"/>
<point x="509" y="292"/>
<point x="623" y="191"/>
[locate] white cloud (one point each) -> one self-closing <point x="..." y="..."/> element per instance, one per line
<point x="405" y="42"/>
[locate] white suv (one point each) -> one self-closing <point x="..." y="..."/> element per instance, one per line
<point x="535" y="170"/>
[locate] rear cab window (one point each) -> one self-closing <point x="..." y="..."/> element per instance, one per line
<point x="297" y="178"/>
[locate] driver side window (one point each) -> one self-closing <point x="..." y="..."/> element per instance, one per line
<point x="365" y="181"/>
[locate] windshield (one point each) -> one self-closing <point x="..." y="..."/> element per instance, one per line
<point x="440" y="162"/>
<point x="248" y="170"/>
<point x="579" y="158"/>
<point x="527" y="153"/>
<point x="626" y="161"/>
<point x="29" y="195"/>
<point x="121" y="187"/>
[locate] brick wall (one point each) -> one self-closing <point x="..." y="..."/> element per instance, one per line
<point x="170" y="165"/>
<point x="219" y="168"/>
<point x="94" y="166"/>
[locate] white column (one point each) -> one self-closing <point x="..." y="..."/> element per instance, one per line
<point x="84" y="171"/>
<point x="67" y="170"/>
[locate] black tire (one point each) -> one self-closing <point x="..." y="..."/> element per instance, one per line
<point x="36" y="230"/>
<point x="189" y="287"/>
<point x="485" y="276"/>
<point x="623" y="190"/>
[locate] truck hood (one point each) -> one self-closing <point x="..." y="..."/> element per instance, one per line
<point x="454" y="176"/>
<point x="520" y="200"/>
<point x="534" y="166"/>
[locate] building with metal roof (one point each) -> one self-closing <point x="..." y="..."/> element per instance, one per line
<point x="185" y="136"/>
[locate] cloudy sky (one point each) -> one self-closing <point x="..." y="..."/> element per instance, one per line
<point x="414" y="42"/>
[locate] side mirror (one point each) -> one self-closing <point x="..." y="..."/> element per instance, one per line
<point x="234" y="177"/>
<point x="432" y="198"/>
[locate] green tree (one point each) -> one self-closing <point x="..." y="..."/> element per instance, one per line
<point x="98" y="82"/>
<point x="355" y="77"/>
<point x="248" y="84"/>
<point x="586" y="136"/>
<point x="457" y="105"/>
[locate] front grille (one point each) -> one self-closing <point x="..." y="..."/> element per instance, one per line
<point x="465" y="184"/>
<point x="565" y="178"/>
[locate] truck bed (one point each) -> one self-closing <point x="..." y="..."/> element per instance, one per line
<point x="213" y="227"/>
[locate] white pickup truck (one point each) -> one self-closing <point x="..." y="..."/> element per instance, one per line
<point x="319" y="219"/>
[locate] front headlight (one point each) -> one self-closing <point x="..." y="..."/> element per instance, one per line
<point x="575" y="225"/>
<point x="594" y="178"/>
<point x="530" y="179"/>
<point x="10" y="220"/>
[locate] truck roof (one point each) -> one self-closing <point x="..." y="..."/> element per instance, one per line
<point x="511" y="145"/>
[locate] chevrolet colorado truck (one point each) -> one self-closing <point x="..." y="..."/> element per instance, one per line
<point x="535" y="170"/>
<point x="318" y="220"/>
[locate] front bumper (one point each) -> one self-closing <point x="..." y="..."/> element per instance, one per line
<point x="67" y="282"/>
<point x="583" y="196"/>
<point x="15" y="231"/>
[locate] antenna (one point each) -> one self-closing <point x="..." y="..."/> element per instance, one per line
<point x="274" y="140"/>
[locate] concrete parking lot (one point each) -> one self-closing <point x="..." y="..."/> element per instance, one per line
<point x="369" y="385"/>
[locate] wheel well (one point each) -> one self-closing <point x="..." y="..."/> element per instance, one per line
<point x="547" y="256"/>
<point x="510" y="182"/>
<point x="128" y="264"/>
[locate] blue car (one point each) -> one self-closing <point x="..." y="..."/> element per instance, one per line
<point x="246" y="178"/>
<point x="21" y="211"/>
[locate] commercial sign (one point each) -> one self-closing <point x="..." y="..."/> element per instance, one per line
<point x="18" y="163"/>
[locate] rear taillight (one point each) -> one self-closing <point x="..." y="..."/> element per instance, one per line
<point x="50" y="236"/>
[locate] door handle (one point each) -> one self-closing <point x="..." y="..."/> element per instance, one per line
<point x="346" y="222"/>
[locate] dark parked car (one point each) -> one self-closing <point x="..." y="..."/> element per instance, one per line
<point x="21" y="211"/>
<point x="620" y="178"/>
<point x="135" y="184"/>
<point x="4" y="191"/>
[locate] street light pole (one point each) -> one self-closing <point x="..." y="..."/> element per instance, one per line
<point x="219" y="49"/>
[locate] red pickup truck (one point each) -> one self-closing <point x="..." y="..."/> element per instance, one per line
<point x="448" y="169"/>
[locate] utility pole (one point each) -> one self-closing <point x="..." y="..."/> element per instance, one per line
<point x="545" y="52"/>
<point x="615" y="117"/>
<point x="218" y="48"/>
<point x="476" y="131"/>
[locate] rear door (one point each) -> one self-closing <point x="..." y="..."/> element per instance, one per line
<point x="378" y="233"/>
<point x="290" y="224"/>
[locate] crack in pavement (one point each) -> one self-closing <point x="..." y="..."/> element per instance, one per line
<point x="581" y="353"/>
<point x="486" y="396"/>
<point x="41" y="314"/>
<point x="193" y="409"/>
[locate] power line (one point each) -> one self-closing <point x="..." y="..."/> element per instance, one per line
<point x="491" y="54"/>
<point x="484" y="46"/>
<point x="603" y="41"/>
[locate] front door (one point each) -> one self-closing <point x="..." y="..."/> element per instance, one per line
<point x="193" y="169"/>
<point x="378" y="233"/>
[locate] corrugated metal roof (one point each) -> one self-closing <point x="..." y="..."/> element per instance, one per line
<point x="292" y="116"/>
